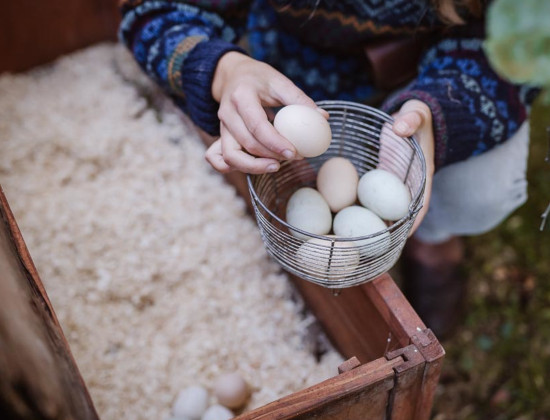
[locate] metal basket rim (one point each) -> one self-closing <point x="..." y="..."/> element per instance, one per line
<point x="414" y="207"/>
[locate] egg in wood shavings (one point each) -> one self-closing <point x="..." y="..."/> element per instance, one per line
<point x="335" y="259"/>
<point x="217" y="412"/>
<point x="356" y="221"/>
<point x="191" y="403"/>
<point x="307" y="210"/>
<point x="337" y="182"/>
<point x="384" y="193"/>
<point x="231" y="390"/>
<point x="306" y="128"/>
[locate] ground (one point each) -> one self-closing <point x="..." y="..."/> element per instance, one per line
<point x="498" y="364"/>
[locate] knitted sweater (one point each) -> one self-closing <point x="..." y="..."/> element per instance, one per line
<point x="317" y="44"/>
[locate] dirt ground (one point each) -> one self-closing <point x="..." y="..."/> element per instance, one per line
<point x="498" y="364"/>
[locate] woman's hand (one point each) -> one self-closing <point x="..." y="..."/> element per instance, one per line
<point x="246" y="89"/>
<point x="415" y="118"/>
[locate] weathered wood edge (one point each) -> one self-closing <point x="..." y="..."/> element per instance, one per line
<point x="378" y="374"/>
<point x="45" y="311"/>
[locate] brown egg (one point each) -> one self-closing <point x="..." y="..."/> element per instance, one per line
<point x="337" y="182"/>
<point x="231" y="390"/>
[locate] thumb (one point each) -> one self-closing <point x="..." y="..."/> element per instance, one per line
<point x="414" y="116"/>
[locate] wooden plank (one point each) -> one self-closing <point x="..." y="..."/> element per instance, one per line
<point x="358" y="394"/>
<point x="394" y="308"/>
<point x="352" y="323"/>
<point x="408" y="384"/>
<point x="405" y="323"/>
<point x="39" y="379"/>
<point x="434" y="354"/>
<point x="34" y="32"/>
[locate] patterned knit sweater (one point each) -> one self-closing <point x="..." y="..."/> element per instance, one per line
<point x="317" y="44"/>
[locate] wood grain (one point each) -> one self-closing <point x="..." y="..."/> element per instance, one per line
<point x="34" y="32"/>
<point x="39" y="379"/>
<point x="358" y="394"/>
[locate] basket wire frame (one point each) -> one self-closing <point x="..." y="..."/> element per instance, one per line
<point x="363" y="135"/>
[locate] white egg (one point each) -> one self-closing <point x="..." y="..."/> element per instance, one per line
<point x="356" y="221"/>
<point x="384" y="193"/>
<point x="335" y="259"/>
<point x="217" y="412"/>
<point x="337" y="181"/>
<point x="191" y="403"/>
<point x="231" y="390"/>
<point x="307" y="210"/>
<point x="306" y="128"/>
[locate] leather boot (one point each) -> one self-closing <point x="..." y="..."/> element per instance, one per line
<point x="434" y="283"/>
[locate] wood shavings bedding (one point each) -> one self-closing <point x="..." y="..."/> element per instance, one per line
<point x="156" y="272"/>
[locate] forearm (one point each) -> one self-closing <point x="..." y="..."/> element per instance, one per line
<point x="178" y="45"/>
<point x="473" y="108"/>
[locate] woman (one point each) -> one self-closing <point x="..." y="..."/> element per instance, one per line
<point x="227" y="63"/>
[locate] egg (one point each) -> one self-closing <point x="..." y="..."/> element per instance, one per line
<point x="191" y="403"/>
<point x="337" y="181"/>
<point x="355" y="221"/>
<point x="384" y="193"/>
<point x="335" y="259"/>
<point x="231" y="390"/>
<point x="217" y="412"/>
<point x="306" y="128"/>
<point x="307" y="210"/>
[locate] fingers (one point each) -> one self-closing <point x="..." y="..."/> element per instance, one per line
<point x="261" y="133"/>
<point x="415" y="118"/>
<point x="226" y="155"/>
<point x="412" y="116"/>
<point x="214" y="156"/>
<point x="236" y="126"/>
<point x="288" y="93"/>
<point x="426" y="204"/>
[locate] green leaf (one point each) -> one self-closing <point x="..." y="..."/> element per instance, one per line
<point x="518" y="40"/>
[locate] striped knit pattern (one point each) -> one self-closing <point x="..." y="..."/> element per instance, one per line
<point x="318" y="45"/>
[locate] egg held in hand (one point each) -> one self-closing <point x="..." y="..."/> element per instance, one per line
<point x="306" y="128"/>
<point x="307" y="210"/>
<point x="357" y="221"/>
<point x="384" y="193"/>
<point x="337" y="182"/>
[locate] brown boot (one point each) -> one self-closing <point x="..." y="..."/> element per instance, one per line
<point x="434" y="284"/>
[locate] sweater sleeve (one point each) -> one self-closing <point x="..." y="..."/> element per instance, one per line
<point x="473" y="108"/>
<point x="179" y="44"/>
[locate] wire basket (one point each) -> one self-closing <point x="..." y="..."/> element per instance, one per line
<point x="363" y="135"/>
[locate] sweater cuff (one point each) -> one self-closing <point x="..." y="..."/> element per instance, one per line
<point x="197" y="74"/>
<point x="394" y="103"/>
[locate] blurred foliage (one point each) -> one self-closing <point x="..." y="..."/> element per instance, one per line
<point x="498" y="364"/>
<point x="518" y="41"/>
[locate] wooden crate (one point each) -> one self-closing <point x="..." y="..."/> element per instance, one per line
<point x="394" y="361"/>
<point x="401" y="359"/>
